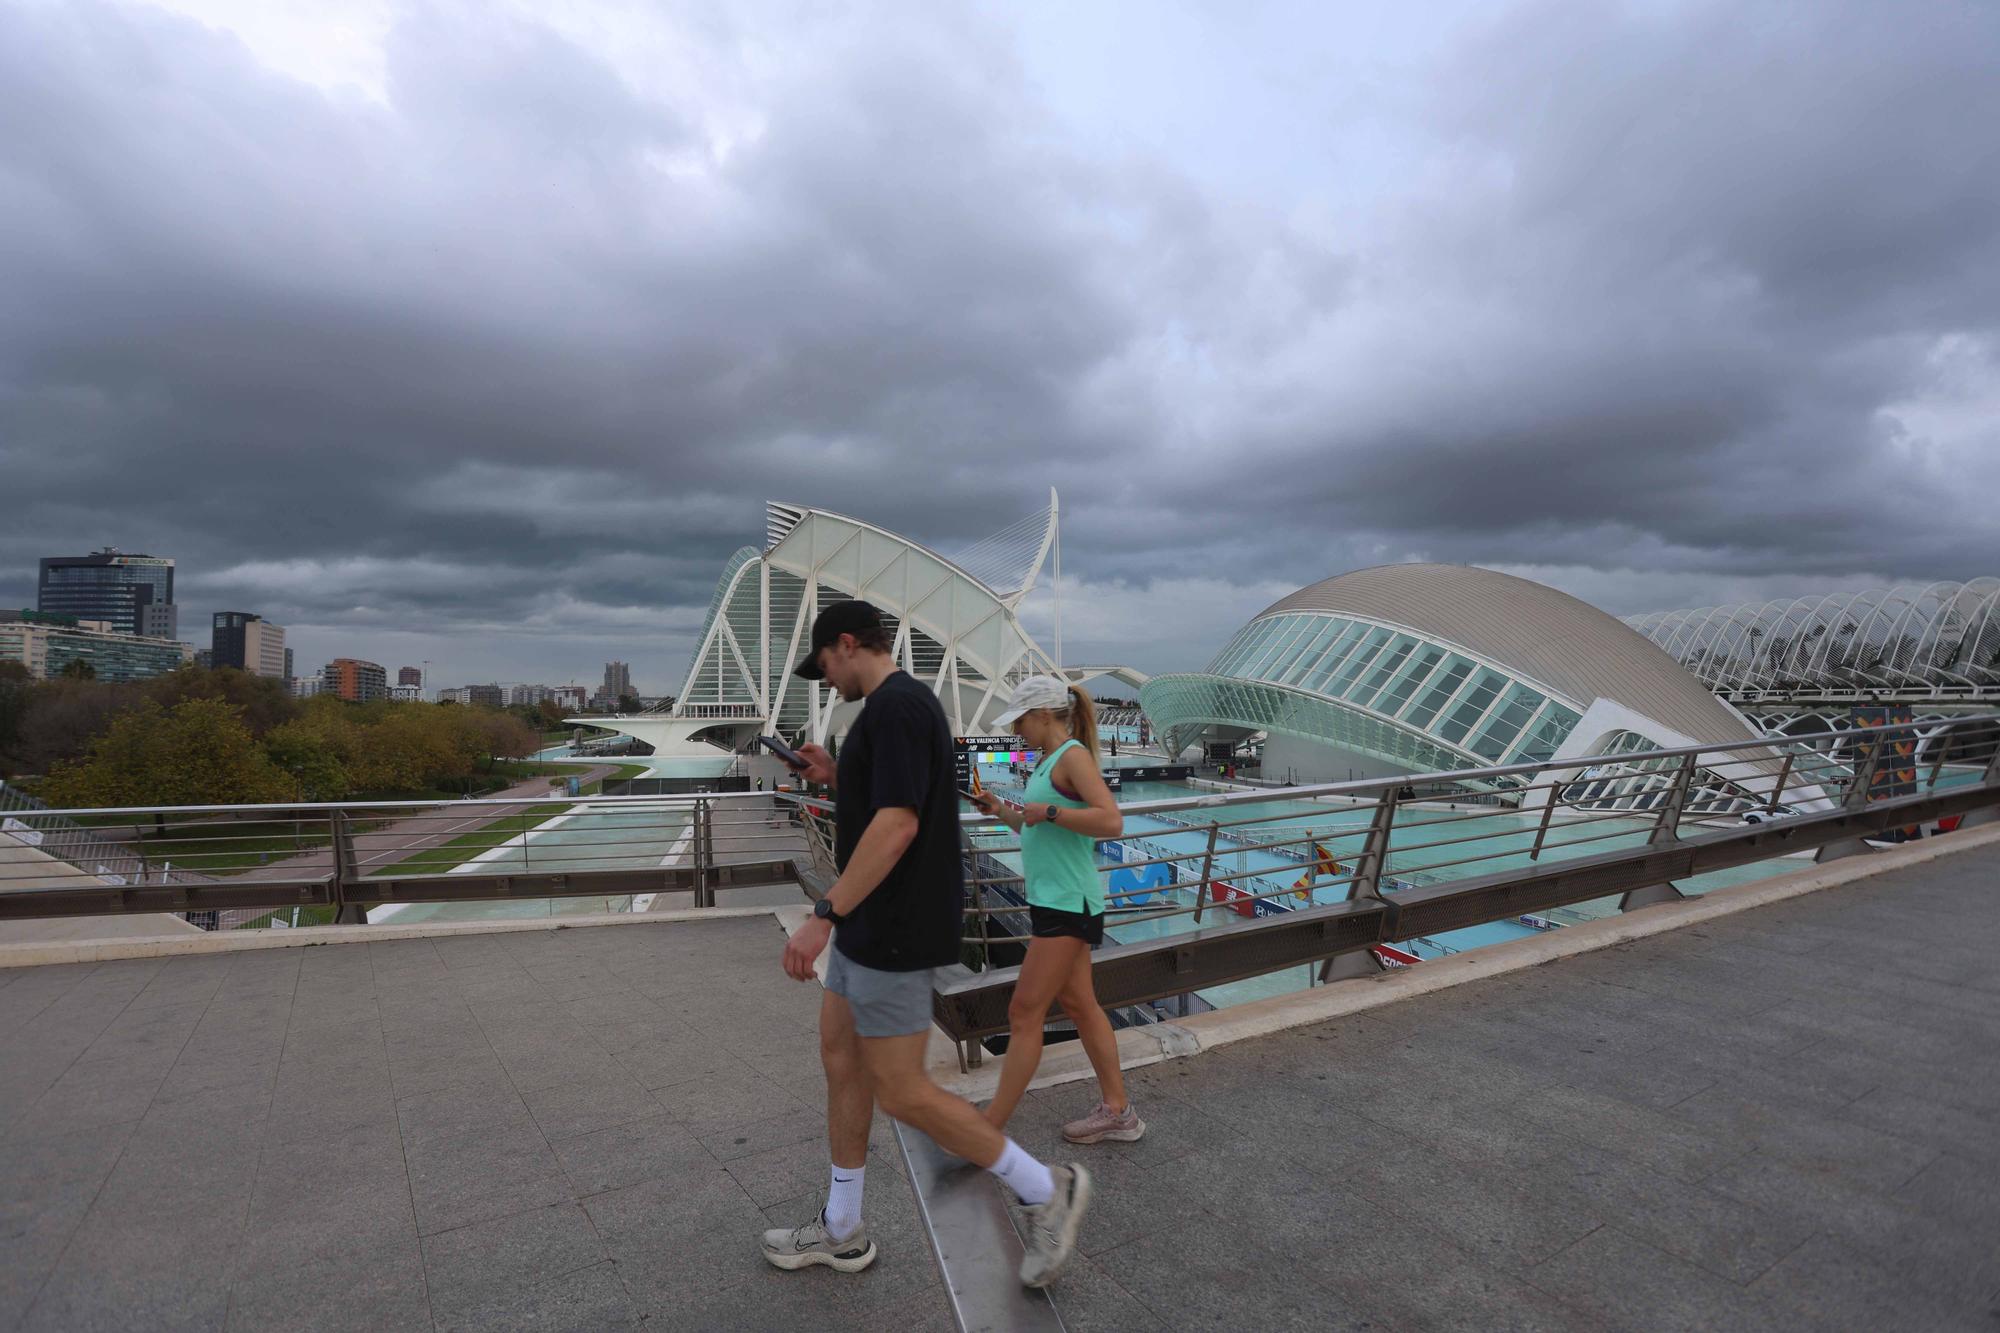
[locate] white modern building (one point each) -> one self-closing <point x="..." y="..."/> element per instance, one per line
<point x="1415" y="668"/>
<point x="956" y="620"/>
<point x="46" y="644"/>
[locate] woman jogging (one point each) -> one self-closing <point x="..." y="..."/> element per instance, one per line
<point x="1067" y="809"/>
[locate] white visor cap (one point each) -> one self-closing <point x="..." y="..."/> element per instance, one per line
<point x="1032" y="693"/>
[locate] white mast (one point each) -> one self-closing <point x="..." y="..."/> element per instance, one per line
<point x="1055" y="508"/>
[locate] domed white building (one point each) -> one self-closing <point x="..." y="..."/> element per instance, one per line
<point x="1417" y="668"/>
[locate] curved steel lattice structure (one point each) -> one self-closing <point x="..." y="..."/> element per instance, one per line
<point x="1428" y="667"/>
<point x="1942" y="637"/>
<point x="954" y="631"/>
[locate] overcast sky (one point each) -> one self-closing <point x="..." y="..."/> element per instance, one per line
<point x="480" y="333"/>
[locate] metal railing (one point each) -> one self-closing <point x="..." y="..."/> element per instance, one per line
<point x="1622" y="826"/>
<point x="29" y="822"/>
<point x="1211" y="891"/>
<point x="255" y="865"/>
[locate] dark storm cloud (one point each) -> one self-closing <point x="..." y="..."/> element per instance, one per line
<point x="1691" y="260"/>
<point x="512" y="356"/>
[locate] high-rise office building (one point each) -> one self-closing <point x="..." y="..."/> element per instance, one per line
<point x="288" y="664"/>
<point x="354" y="680"/>
<point x="490" y="695"/>
<point x="248" y="643"/>
<point x="617" y="680"/>
<point x="409" y="676"/>
<point x="134" y="594"/>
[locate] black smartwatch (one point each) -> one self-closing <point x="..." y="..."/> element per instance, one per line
<point x="823" y="909"/>
<point x="1051" y="815"/>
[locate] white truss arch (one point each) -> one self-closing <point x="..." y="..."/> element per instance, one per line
<point x="955" y="630"/>
<point x="1906" y="637"/>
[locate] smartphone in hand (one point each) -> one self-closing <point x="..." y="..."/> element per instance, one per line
<point x="782" y="750"/>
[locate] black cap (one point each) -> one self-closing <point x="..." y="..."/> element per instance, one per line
<point x="832" y="622"/>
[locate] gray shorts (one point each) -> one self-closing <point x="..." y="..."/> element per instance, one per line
<point x="885" y="1004"/>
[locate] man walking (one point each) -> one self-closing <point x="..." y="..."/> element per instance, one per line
<point x="895" y="913"/>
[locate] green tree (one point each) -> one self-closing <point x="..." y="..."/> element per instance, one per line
<point x="14" y="695"/>
<point x="60" y="718"/>
<point x="78" y="669"/>
<point x="506" y="736"/>
<point x="264" y="700"/>
<point x="311" y="757"/>
<point x="196" y="753"/>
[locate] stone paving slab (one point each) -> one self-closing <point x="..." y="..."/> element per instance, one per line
<point x="571" y="1129"/>
<point x="1786" y="1118"/>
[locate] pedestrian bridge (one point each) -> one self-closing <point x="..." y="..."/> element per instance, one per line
<point x="1772" y="1105"/>
<point x="1780" y="1117"/>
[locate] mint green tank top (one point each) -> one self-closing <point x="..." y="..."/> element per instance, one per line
<point x="1059" y="864"/>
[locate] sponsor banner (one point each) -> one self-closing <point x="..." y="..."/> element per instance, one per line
<point x="1390" y="956"/>
<point x="1225" y="894"/>
<point x="1157" y="773"/>
<point x="1537" y="923"/>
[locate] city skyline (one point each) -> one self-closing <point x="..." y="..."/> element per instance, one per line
<point x="1661" y="305"/>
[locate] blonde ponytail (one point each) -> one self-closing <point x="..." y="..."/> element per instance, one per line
<point x="1083" y="720"/>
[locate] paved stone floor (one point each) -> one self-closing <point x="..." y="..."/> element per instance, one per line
<point x="567" y="1129"/>
<point x="1784" y="1119"/>
<point x="1788" y="1118"/>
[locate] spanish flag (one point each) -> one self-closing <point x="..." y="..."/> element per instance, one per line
<point x="1323" y="863"/>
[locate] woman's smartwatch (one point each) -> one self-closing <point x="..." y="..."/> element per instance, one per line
<point x="1050" y="813"/>
<point x="823" y="909"/>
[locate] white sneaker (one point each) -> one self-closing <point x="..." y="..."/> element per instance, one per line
<point x="1052" y="1226"/>
<point x="811" y="1243"/>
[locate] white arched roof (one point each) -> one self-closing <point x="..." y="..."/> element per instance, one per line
<point x="1565" y="646"/>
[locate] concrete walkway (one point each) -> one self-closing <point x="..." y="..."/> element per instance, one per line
<point x="559" y="1129"/>
<point x="1781" y="1119"/>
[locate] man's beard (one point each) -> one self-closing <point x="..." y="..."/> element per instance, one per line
<point x="849" y="693"/>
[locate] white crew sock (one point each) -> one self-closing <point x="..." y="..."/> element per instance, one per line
<point x="1029" y="1179"/>
<point x="843" y="1201"/>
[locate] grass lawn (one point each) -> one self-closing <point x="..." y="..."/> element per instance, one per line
<point x="447" y="855"/>
<point x="232" y="847"/>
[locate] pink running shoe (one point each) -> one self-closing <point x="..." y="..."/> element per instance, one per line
<point x="1104" y="1123"/>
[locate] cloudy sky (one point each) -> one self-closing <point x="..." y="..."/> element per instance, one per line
<point x="480" y="333"/>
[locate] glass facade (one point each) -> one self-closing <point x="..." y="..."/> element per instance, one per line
<point x="47" y="649"/>
<point x="108" y="586"/>
<point x="1472" y="710"/>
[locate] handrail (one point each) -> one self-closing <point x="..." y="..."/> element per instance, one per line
<point x="969" y="1005"/>
<point x="531" y="846"/>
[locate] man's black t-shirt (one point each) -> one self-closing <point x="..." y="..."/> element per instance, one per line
<point x="898" y="753"/>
